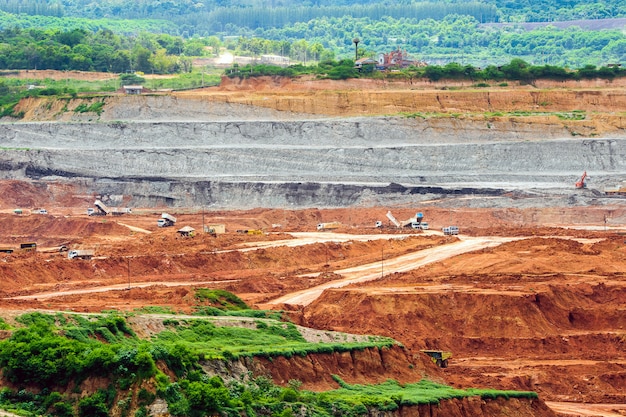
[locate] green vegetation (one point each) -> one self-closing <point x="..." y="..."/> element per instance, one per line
<point x="3" y="324"/>
<point x="270" y="338"/>
<point x="516" y="70"/>
<point x="55" y="36"/>
<point x="96" y="107"/>
<point x="389" y="395"/>
<point x="48" y="353"/>
<point x="223" y="299"/>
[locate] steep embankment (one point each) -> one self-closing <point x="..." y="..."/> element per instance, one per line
<point x="276" y="142"/>
<point x="377" y="97"/>
<point x="261" y="161"/>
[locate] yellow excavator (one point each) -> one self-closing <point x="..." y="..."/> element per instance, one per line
<point x="439" y="357"/>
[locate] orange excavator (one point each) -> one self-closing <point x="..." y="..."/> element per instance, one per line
<point x="581" y="183"/>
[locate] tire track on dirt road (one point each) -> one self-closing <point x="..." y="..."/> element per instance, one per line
<point x="375" y="270"/>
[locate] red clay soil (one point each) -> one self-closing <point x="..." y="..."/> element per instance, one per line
<point x="543" y="313"/>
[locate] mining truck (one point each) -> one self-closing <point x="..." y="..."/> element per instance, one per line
<point x="328" y="226"/>
<point x="166" y="220"/>
<point x="451" y="230"/>
<point x="80" y="254"/>
<point x="439" y="357"/>
<point x="619" y="189"/>
<point x="103" y="210"/>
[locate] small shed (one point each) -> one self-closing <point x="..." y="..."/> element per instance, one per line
<point x="187" y="231"/>
<point x="361" y="63"/>
<point x="133" y="89"/>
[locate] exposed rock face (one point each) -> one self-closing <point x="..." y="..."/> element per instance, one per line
<point x="232" y="155"/>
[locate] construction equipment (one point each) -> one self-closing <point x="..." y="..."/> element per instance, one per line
<point x="450" y="230"/>
<point x="166" y="220"/>
<point x="582" y="182"/>
<point x="103" y="210"/>
<point x="80" y="254"/>
<point x="619" y="189"/>
<point x="117" y="211"/>
<point x="393" y="220"/>
<point x="328" y="226"/>
<point x="414" y="222"/>
<point x="439" y="357"/>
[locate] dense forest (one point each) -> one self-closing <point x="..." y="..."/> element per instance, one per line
<point x="507" y="10"/>
<point x="479" y="33"/>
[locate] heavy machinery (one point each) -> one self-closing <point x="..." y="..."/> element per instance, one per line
<point x="450" y="230"/>
<point x="582" y="182"/>
<point x="80" y="254"/>
<point x="328" y="226"/>
<point x="103" y="210"/>
<point x="414" y="222"/>
<point x="393" y="220"/>
<point x="619" y="189"/>
<point x="248" y="231"/>
<point x="417" y="223"/>
<point x="166" y="220"/>
<point x="439" y="357"/>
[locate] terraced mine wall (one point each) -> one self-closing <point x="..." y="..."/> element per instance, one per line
<point x="262" y="160"/>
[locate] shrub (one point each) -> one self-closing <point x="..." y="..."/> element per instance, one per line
<point x="145" y="397"/>
<point x="221" y="298"/>
<point x="63" y="409"/>
<point x="142" y="412"/>
<point x="94" y="406"/>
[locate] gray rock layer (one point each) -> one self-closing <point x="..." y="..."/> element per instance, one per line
<point x="305" y="162"/>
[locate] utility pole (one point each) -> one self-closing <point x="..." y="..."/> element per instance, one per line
<point x="382" y="260"/>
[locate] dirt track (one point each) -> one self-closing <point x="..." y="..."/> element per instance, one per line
<point x="376" y="270"/>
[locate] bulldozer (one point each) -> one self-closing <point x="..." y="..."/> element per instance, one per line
<point x="439" y="357"/>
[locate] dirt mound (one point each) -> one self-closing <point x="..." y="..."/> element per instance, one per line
<point x="27" y="195"/>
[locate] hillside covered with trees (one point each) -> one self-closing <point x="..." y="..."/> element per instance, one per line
<point x="478" y="33"/>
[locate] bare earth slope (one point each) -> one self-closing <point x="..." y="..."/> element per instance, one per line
<point x="536" y="304"/>
<point x="278" y="143"/>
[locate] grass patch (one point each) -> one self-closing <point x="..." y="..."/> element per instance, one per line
<point x="96" y="107"/>
<point x="390" y="394"/>
<point x="221" y="299"/>
<point x="268" y="339"/>
<point x="4" y="325"/>
<point x="155" y="310"/>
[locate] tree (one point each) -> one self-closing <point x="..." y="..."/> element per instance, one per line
<point x="140" y="59"/>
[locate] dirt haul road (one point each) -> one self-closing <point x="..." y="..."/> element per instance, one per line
<point x="376" y="270"/>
